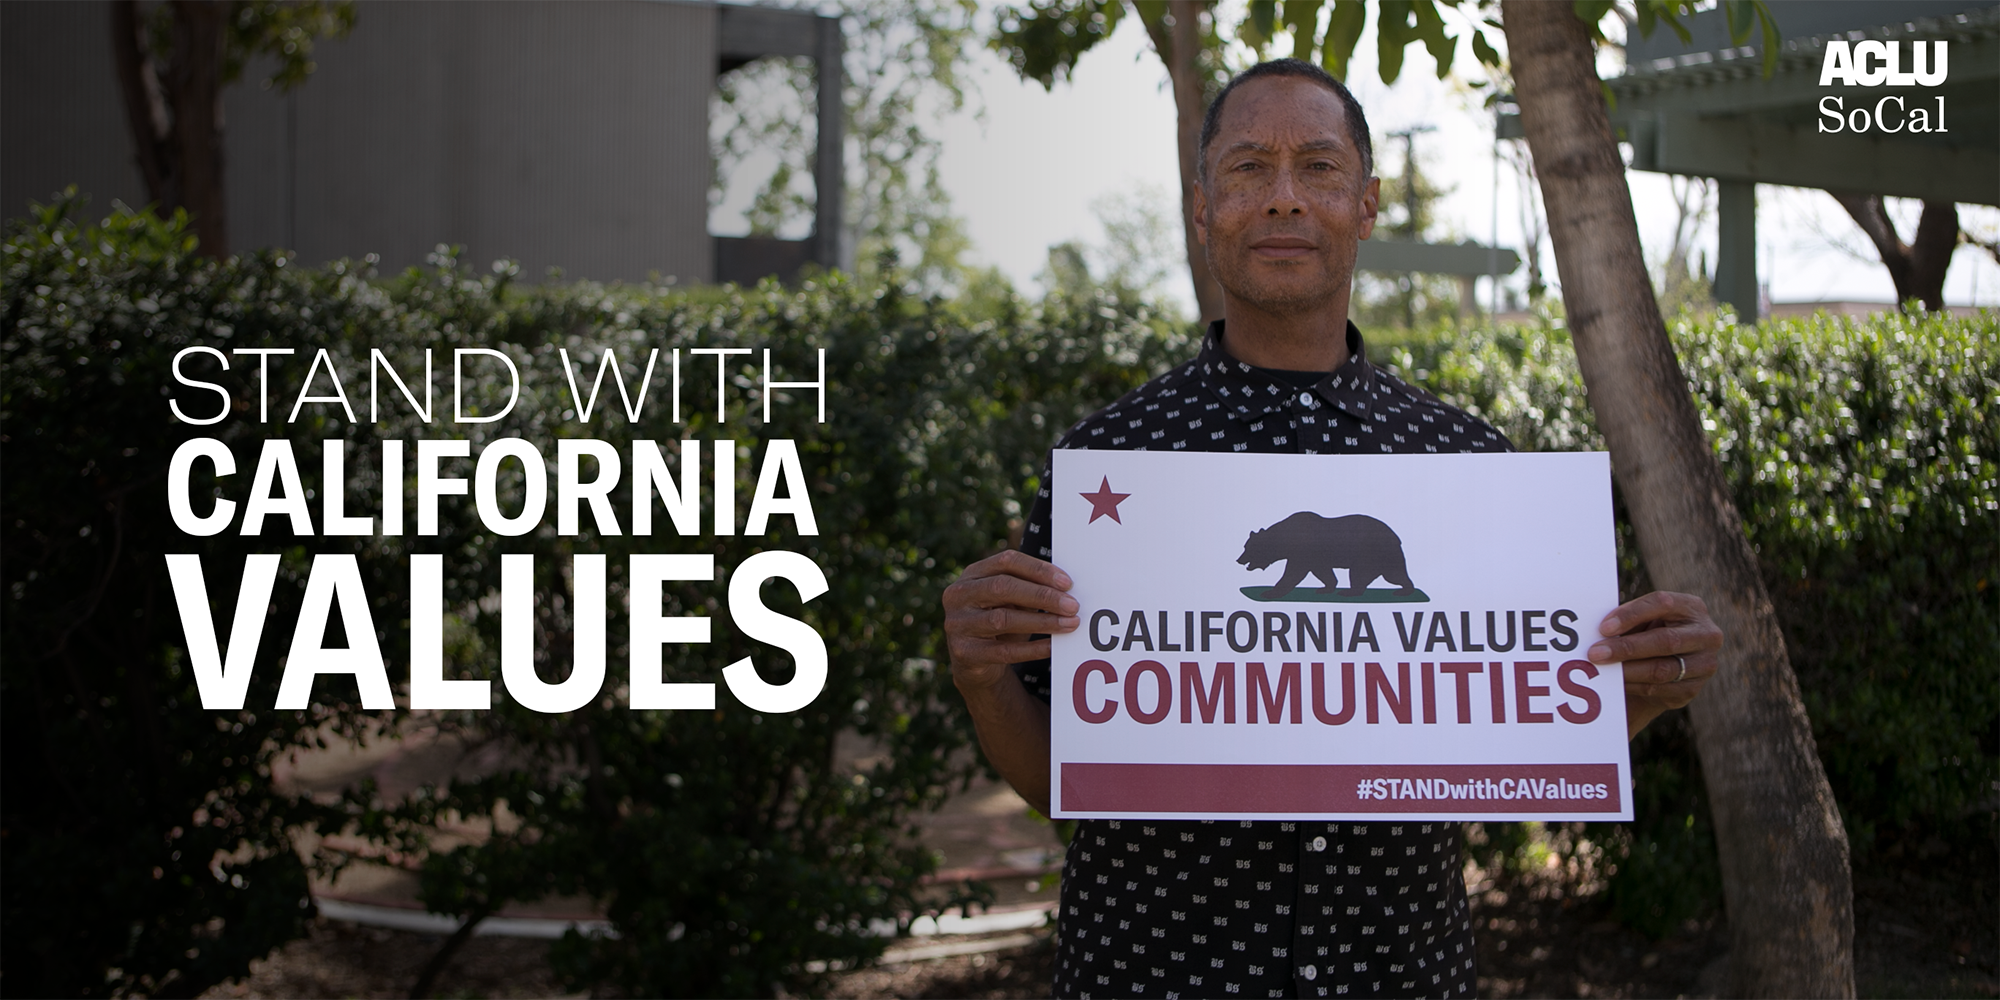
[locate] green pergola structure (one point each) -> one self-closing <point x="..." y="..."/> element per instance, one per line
<point x="1706" y="109"/>
<point x="1467" y="262"/>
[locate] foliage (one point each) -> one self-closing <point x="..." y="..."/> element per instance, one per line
<point x="731" y="848"/>
<point x="283" y="31"/>
<point x="1139" y="255"/>
<point x="903" y="71"/>
<point x="173" y="60"/>
<point x="1045" y="39"/>
<point x="1411" y="300"/>
<point x="146" y="850"/>
<point x="1862" y="456"/>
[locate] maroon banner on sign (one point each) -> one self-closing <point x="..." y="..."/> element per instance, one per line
<point x="1456" y="789"/>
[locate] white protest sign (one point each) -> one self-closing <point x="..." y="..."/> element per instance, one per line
<point x="1336" y="636"/>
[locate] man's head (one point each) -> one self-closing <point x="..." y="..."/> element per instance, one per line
<point x="1298" y="69"/>
<point x="1287" y="187"/>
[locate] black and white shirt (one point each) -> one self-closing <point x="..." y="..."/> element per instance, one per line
<point x="1263" y="909"/>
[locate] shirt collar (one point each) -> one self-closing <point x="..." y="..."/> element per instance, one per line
<point x="1248" y="392"/>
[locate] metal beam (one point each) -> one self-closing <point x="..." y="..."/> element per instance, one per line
<point x="830" y="156"/>
<point x="1709" y="32"/>
<point x="1733" y="81"/>
<point x="746" y="33"/>
<point x="1753" y="150"/>
<point x="1736" y="249"/>
<point x="1435" y="258"/>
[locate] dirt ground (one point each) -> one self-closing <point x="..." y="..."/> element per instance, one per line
<point x="1924" y="927"/>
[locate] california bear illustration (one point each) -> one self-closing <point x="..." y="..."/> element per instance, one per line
<point x="1317" y="545"/>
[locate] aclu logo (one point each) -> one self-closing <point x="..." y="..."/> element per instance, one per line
<point x="1874" y="63"/>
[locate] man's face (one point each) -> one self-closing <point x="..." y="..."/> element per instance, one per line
<point x="1285" y="199"/>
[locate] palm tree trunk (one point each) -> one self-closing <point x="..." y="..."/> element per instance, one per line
<point x="1783" y="850"/>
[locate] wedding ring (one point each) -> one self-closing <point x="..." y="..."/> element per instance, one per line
<point x="1684" y="669"/>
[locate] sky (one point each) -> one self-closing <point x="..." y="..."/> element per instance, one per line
<point x="1025" y="170"/>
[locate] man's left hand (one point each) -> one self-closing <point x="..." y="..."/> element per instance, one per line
<point x="1668" y="645"/>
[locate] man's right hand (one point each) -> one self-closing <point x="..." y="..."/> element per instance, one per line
<point x="994" y="608"/>
<point x="989" y="615"/>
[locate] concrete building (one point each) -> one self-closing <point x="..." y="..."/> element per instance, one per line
<point x="561" y="135"/>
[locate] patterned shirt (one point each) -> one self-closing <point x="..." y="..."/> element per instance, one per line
<point x="1263" y="908"/>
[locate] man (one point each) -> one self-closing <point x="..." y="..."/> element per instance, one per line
<point x="1265" y="908"/>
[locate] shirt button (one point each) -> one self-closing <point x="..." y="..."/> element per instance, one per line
<point x="1305" y="399"/>
<point x="1309" y="972"/>
<point x="1318" y="844"/>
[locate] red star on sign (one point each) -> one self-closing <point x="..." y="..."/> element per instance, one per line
<point x="1104" y="502"/>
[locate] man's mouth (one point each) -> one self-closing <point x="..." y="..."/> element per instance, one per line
<point x="1282" y="247"/>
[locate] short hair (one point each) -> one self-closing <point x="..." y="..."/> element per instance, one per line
<point x="1357" y="123"/>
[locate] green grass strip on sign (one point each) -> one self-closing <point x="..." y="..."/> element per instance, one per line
<point x="1337" y="595"/>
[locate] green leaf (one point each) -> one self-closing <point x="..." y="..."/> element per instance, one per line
<point x="1591" y="13"/>
<point x="1770" y="24"/>
<point x="1647" y="19"/>
<point x="1044" y="42"/>
<point x="1392" y="34"/>
<point x="1302" y="16"/>
<point x="1259" y="25"/>
<point x="1741" y="16"/>
<point x="1670" y="12"/>
<point x="1484" y="50"/>
<point x="1343" y="31"/>
<point x="1430" y="28"/>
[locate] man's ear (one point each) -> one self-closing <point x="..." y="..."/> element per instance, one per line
<point x="1200" y="213"/>
<point x="1371" y="204"/>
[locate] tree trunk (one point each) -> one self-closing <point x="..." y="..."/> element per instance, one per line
<point x="197" y="103"/>
<point x="174" y="112"/>
<point x="1179" y="46"/>
<point x="146" y="115"/>
<point x="1783" y="850"/>
<point x="1917" y="269"/>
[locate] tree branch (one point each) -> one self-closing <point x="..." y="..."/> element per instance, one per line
<point x="442" y="958"/>
<point x="1930" y="255"/>
<point x="1917" y="269"/>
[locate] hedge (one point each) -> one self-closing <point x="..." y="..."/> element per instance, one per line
<point x="1862" y="454"/>
<point x="148" y="852"/>
<point x="146" y="848"/>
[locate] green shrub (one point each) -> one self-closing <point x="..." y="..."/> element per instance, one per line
<point x="145" y="849"/>
<point x="729" y="849"/>
<point x="1861" y="454"/>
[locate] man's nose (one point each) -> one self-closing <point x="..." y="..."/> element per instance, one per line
<point x="1284" y="198"/>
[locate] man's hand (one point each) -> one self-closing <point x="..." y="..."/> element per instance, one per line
<point x="989" y="615"/>
<point x="1653" y="636"/>
<point x="993" y="609"/>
